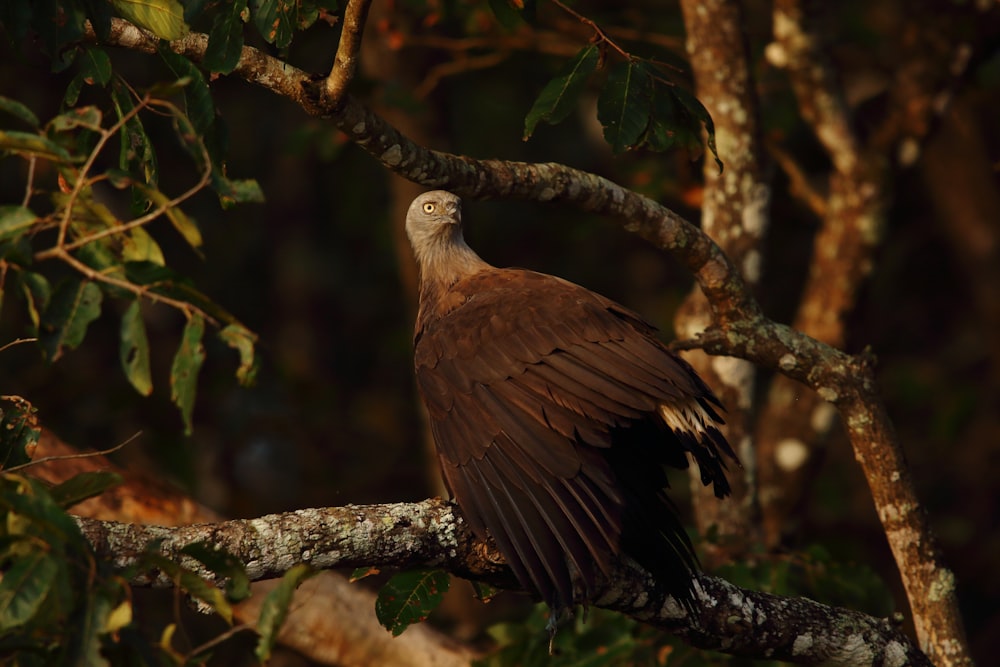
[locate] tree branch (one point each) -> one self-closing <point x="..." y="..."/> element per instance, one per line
<point x="433" y="534"/>
<point x="739" y="328"/>
<point x="345" y="64"/>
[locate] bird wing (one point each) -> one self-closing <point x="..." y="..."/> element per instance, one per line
<point x="526" y="382"/>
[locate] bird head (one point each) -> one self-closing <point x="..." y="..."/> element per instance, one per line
<point x="434" y="216"/>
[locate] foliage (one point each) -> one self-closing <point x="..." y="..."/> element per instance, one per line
<point x="59" y="604"/>
<point x="409" y="597"/>
<point x="638" y="106"/>
<point x="73" y="189"/>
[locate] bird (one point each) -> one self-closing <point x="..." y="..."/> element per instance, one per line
<point x="555" y="412"/>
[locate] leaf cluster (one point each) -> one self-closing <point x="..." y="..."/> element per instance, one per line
<point x="91" y="193"/>
<point x="638" y="105"/>
<point x="59" y="604"/>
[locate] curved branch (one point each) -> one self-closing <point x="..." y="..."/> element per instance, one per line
<point x="739" y="327"/>
<point x="432" y="533"/>
<point x="345" y="64"/>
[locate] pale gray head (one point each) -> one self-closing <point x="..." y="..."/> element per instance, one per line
<point x="434" y="226"/>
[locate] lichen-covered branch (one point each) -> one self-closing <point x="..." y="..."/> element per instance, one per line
<point x="432" y="534"/>
<point x="739" y="328"/>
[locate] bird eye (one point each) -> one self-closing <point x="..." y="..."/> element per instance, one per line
<point x="429" y="208"/>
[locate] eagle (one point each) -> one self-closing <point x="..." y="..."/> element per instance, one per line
<point x="555" y="412"/>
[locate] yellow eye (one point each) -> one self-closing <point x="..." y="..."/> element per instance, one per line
<point x="429" y="208"/>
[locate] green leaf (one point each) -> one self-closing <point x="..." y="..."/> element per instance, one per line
<point x="559" y="96"/>
<point x="15" y="220"/>
<point x="24" y="587"/>
<point x="19" y="111"/>
<point x="409" y="597"/>
<point x="134" y="350"/>
<point x="184" y="370"/>
<point x="624" y="104"/>
<point x="197" y="96"/>
<point x="136" y="154"/>
<point x="37" y="294"/>
<point x="206" y="591"/>
<point x="274" y="609"/>
<point x="223" y="564"/>
<point x="244" y="191"/>
<point x="75" y="304"/>
<point x="242" y="340"/>
<point x="86" y="647"/>
<point x="20" y="431"/>
<point x="163" y="18"/>
<point x="86" y="117"/>
<point x="139" y="246"/>
<point x="225" y="40"/>
<point x="26" y="143"/>
<point x="84" y="485"/>
<point x="94" y="68"/>
<point x="276" y="20"/>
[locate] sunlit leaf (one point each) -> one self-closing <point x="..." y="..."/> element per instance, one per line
<point x="274" y="608"/>
<point x="134" y="350"/>
<point x="37" y="292"/>
<point x="15" y="220"/>
<point x="24" y="587"/>
<point x="225" y="40"/>
<point x="74" y="305"/>
<point x="558" y="99"/>
<point x="242" y="340"/>
<point x="163" y="18"/>
<point x="26" y="143"/>
<point x="139" y="246"/>
<point x="409" y="597"/>
<point x="624" y="104"/>
<point x="19" y="111"/>
<point x="88" y="117"/>
<point x="184" y="370"/>
<point x="84" y="485"/>
<point x="120" y="617"/>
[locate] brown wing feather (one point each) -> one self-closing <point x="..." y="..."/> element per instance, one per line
<point x="529" y="380"/>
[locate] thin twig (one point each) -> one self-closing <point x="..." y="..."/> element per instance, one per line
<point x="81" y="179"/>
<point x="798" y="183"/>
<point x="16" y="341"/>
<point x="80" y="455"/>
<point x="602" y="36"/>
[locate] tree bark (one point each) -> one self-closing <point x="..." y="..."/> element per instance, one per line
<point x="433" y="533"/>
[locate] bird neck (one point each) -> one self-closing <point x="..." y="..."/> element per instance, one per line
<point x="445" y="261"/>
<point x="442" y="266"/>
